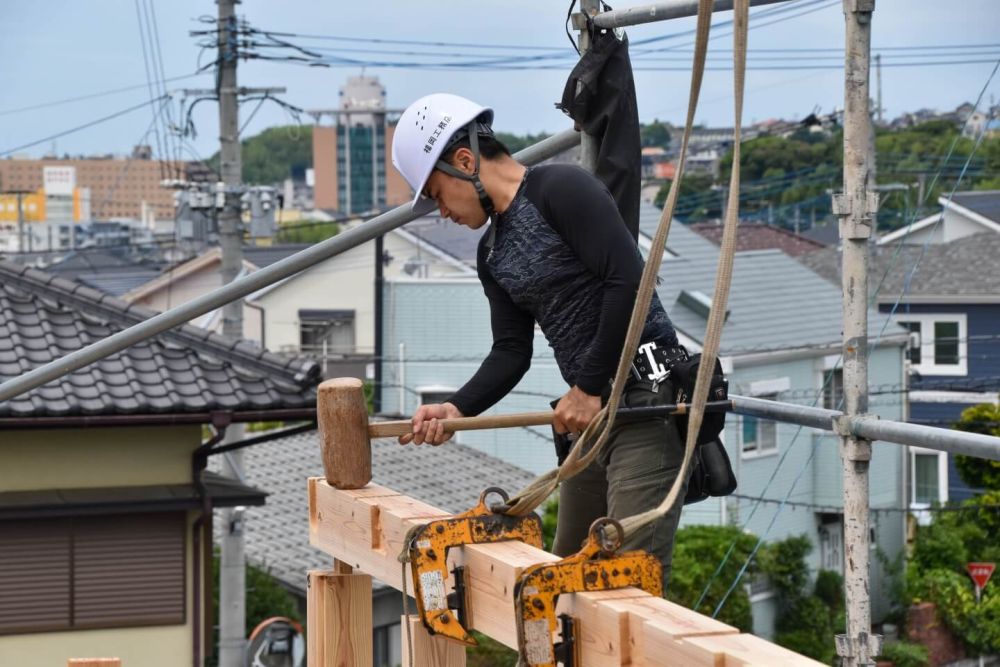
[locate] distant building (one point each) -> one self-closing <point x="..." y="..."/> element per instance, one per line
<point x="119" y="187"/>
<point x="351" y="158"/>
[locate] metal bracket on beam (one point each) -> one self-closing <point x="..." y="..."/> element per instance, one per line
<point x="847" y="646"/>
<point x="855" y="448"/>
<point x="842" y="207"/>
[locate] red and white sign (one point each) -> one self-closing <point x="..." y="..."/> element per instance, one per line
<point x="980" y="572"/>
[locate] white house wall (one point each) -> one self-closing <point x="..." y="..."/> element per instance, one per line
<point x="343" y="282"/>
<point x="189" y="287"/>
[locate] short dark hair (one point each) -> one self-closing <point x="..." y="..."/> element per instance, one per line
<point x="490" y="147"/>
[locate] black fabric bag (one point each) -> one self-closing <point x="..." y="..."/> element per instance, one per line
<point x="711" y="471"/>
<point x="600" y="96"/>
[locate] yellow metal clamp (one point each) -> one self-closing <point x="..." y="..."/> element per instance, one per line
<point x="429" y="560"/>
<point x="596" y="567"/>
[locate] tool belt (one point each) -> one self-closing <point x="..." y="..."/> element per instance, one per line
<point x="655" y="365"/>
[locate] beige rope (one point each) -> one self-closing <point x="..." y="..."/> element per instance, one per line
<point x="600" y="427"/>
<point x="723" y="280"/>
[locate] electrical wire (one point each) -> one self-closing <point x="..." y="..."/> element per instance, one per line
<point x="78" y="128"/>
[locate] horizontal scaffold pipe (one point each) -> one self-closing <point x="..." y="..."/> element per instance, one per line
<point x="663" y="11"/>
<point x="249" y="284"/>
<point x="873" y="428"/>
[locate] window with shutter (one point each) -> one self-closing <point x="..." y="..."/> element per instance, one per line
<point x="90" y="572"/>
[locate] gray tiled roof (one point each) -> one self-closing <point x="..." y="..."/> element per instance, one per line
<point x="458" y="241"/>
<point x="985" y="202"/>
<point x="774" y="302"/>
<point x="261" y="256"/>
<point x="184" y="370"/>
<point x="119" y="281"/>
<point x="964" y="267"/>
<point x="449" y="477"/>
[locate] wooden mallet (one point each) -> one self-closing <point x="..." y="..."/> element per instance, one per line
<point x="345" y="434"/>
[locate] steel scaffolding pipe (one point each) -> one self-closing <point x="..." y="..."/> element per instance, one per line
<point x="663" y="11"/>
<point x="873" y="428"/>
<point x="259" y="279"/>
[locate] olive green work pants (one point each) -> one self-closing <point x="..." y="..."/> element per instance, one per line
<point x="633" y="474"/>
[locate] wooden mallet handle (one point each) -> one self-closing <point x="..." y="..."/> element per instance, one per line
<point x="394" y="429"/>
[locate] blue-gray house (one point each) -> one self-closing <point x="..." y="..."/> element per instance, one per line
<point x="948" y="296"/>
<point x="782" y="341"/>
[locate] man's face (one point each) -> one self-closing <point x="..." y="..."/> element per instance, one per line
<point x="457" y="198"/>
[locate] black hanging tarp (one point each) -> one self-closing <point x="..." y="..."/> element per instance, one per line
<point x="604" y="106"/>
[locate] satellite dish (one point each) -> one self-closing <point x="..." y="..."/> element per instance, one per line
<point x="276" y="642"/>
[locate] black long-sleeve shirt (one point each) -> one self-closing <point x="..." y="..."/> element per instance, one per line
<point x="560" y="255"/>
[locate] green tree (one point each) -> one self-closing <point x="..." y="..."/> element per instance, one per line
<point x="307" y="231"/>
<point x="696" y="198"/>
<point x="275" y="154"/>
<point x="976" y="472"/>
<point x="265" y="598"/>
<point x="655" y="134"/>
<point x="698" y="550"/>
<point x="936" y="571"/>
<point x="807" y="619"/>
<point x="517" y="142"/>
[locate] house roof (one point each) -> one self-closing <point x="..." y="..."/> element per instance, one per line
<point x="449" y="477"/>
<point x="984" y="202"/>
<point x="980" y="207"/>
<point x="775" y="302"/>
<point x="112" y="270"/>
<point x="758" y="236"/>
<point x="185" y="370"/>
<point x="459" y="242"/>
<point x="825" y="233"/>
<point x="261" y="256"/>
<point x="223" y="491"/>
<point x="959" y="268"/>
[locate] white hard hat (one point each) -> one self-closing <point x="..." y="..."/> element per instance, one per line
<point x="425" y="130"/>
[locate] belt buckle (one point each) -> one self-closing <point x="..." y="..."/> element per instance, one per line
<point x="657" y="371"/>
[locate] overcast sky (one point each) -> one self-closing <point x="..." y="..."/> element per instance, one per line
<point x="61" y="49"/>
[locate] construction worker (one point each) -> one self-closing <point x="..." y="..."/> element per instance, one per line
<point x="557" y="252"/>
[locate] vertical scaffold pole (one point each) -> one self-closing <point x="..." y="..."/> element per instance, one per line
<point x="589" y="145"/>
<point x="856" y="207"/>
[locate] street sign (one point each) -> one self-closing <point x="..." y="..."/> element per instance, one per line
<point x="980" y="572"/>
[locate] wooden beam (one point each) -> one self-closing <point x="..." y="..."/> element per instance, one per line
<point x="366" y="528"/>
<point x="339" y="619"/>
<point x="94" y="662"/>
<point x="428" y="650"/>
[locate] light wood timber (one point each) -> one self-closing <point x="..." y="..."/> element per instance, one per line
<point x="741" y="651"/>
<point x="94" y="662"/>
<point x="616" y="627"/>
<point x="342" y="413"/>
<point x="428" y="650"/>
<point x="339" y="622"/>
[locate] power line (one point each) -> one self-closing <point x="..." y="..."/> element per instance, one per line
<point x="80" y="127"/>
<point x="91" y="96"/>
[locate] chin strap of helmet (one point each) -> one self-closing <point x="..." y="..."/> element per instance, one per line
<point x="484" y="199"/>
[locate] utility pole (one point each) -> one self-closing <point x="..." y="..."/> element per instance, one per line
<point x="232" y="571"/>
<point x="856" y="207"/>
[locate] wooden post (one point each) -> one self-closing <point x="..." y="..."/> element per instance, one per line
<point x="428" y="650"/>
<point x="94" y="662"/>
<point x="343" y="431"/>
<point x="339" y="619"/>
